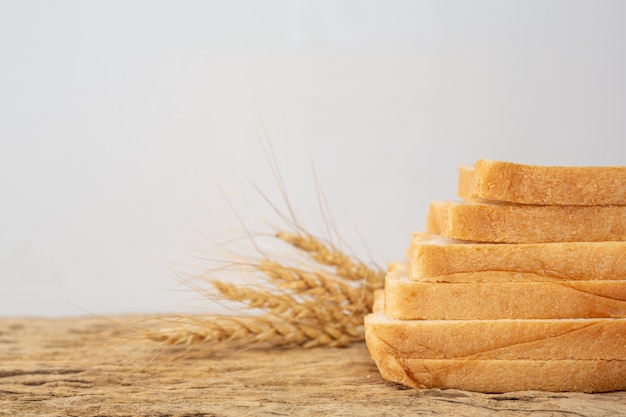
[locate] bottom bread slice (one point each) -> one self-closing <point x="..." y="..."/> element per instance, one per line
<point x="500" y="355"/>
<point x="496" y="376"/>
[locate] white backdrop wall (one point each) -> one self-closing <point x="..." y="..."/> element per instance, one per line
<point x="115" y="117"/>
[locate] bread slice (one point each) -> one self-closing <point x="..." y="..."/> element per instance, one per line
<point x="503" y="339"/>
<point x="496" y="376"/>
<point x="546" y="185"/>
<point x="500" y="355"/>
<point x="434" y="258"/>
<point x="513" y="223"/>
<point x="414" y="300"/>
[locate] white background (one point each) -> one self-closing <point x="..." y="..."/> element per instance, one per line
<point x="116" y="116"/>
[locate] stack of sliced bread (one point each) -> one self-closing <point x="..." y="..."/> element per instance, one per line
<point x="520" y="287"/>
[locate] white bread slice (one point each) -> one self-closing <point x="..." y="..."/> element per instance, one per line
<point x="500" y="355"/>
<point x="415" y="300"/>
<point x="434" y="258"/>
<point x="496" y="376"/>
<point x="513" y="223"/>
<point x="502" y="339"/>
<point x="546" y="185"/>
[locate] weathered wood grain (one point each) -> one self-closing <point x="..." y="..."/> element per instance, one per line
<point x="98" y="367"/>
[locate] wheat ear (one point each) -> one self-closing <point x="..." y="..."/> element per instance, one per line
<point x="316" y="306"/>
<point x="318" y="286"/>
<point x="327" y="254"/>
<point x="253" y="330"/>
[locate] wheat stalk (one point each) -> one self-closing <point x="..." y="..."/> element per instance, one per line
<point x="249" y="331"/>
<point x="317" y="285"/>
<point x="319" y="303"/>
<point x="326" y="254"/>
<point x="306" y="307"/>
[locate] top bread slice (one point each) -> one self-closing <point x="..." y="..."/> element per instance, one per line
<point x="543" y="185"/>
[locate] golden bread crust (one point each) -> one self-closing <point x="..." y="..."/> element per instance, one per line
<point x="513" y="223"/>
<point x="433" y="258"/>
<point x="545" y="185"/>
<point x="506" y="299"/>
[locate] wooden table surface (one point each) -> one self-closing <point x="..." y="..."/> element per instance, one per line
<point x="99" y="367"/>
